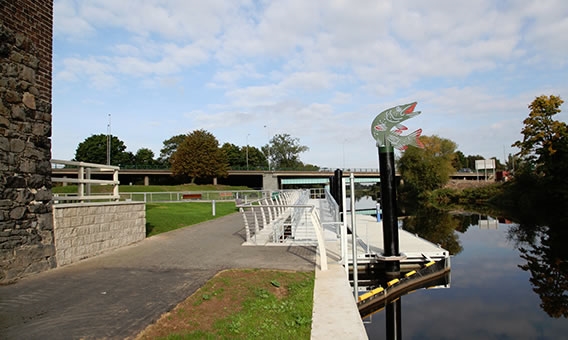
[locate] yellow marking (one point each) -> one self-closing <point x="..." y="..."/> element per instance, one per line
<point x="430" y="263"/>
<point x="371" y="293"/>
<point x="393" y="282"/>
<point x="410" y="273"/>
<point x="365" y="296"/>
<point x="377" y="290"/>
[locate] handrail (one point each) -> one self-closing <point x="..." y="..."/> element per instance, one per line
<point x="84" y="182"/>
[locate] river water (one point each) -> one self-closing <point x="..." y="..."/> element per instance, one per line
<point x="490" y="295"/>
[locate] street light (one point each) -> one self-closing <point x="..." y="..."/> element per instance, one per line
<point x="248" y="134"/>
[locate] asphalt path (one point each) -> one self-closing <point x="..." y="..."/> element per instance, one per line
<point x="117" y="294"/>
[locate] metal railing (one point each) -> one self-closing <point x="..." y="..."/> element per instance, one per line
<point x="184" y="196"/>
<point x="284" y="218"/>
<point x="84" y="182"/>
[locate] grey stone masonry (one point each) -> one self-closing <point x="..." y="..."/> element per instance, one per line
<point x="89" y="229"/>
<point x="26" y="221"/>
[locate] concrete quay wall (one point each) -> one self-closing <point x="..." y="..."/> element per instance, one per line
<point x="88" y="229"/>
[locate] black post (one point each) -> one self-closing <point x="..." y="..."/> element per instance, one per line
<point x="338" y="189"/>
<point x="389" y="207"/>
<point x="394" y="320"/>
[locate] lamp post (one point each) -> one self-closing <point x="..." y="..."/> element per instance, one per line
<point x="247" y="152"/>
<point x="109" y="139"/>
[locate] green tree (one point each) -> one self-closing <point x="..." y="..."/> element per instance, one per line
<point x="199" y="156"/>
<point x="427" y="169"/>
<point x="256" y="159"/>
<point x="460" y="161"/>
<point x="234" y="155"/>
<point x="144" y="157"/>
<point x="283" y="151"/>
<point x="94" y="150"/>
<point x="170" y="146"/>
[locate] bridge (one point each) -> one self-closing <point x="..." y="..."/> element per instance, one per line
<point x="258" y="179"/>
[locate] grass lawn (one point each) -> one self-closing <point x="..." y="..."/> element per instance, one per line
<point x="163" y="217"/>
<point x="242" y="304"/>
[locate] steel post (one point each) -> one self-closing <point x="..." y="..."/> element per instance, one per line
<point x="389" y="209"/>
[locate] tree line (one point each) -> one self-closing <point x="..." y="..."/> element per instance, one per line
<point x="197" y="155"/>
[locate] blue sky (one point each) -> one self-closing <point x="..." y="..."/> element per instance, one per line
<point x="320" y="71"/>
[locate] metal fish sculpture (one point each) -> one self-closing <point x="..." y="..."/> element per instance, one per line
<point x="402" y="142"/>
<point x="389" y="118"/>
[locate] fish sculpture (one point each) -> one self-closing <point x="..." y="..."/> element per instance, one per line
<point x="393" y="117"/>
<point x="403" y="142"/>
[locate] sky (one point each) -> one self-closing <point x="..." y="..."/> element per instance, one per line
<point x="320" y="71"/>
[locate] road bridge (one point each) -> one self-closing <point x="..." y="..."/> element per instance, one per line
<point x="261" y="179"/>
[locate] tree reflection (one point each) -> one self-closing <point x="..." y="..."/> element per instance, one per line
<point x="546" y="253"/>
<point x="437" y="226"/>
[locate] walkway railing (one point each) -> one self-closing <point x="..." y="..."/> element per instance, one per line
<point x="182" y="196"/>
<point x="84" y="182"/>
<point x="284" y="218"/>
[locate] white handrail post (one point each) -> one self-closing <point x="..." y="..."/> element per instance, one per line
<point x="81" y="184"/>
<point x="264" y="224"/>
<point x="115" y="188"/>
<point x="321" y="244"/>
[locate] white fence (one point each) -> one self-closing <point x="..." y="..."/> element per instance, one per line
<point x="84" y="182"/>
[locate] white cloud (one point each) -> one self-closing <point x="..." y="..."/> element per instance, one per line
<point x="318" y="70"/>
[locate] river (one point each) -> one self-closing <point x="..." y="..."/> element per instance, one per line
<point x="505" y="283"/>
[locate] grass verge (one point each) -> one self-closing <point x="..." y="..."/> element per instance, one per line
<point x="163" y="217"/>
<point x="242" y="304"/>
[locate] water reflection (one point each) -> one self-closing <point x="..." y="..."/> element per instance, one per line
<point x="436" y="226"/>
<point x="546" y="254"/>
<point x="497" y="268"/>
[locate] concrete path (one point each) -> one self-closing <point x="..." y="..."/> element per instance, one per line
<point x="116" y="295"/>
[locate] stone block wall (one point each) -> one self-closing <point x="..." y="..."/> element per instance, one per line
<point x="26" y="221"/>
<point x="89" y="229"/>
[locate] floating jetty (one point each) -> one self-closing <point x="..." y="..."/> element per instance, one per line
<point x="293" y="218"/>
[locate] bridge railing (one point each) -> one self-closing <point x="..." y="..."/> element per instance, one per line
<point x="84" y="182"/>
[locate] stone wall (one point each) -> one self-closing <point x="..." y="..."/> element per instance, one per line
<point x="88" y="229"/>
<point x="26" y="221"/>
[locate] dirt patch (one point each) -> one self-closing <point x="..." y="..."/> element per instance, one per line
<point x="460" y="184"/>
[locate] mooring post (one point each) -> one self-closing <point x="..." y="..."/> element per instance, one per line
<point x="389" y="209"/>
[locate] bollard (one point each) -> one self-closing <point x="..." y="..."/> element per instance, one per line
<point x="213" y="207"/>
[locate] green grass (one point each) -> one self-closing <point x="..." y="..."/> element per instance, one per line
<point x="164" y="217"/>
<point x="255" y="308"/>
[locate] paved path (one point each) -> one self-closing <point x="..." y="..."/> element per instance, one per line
<point x="116" y="295"/>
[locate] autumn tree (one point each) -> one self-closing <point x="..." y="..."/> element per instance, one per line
<point x="94" y="150"/>
<point x="199" y="156"/>
<point x="541" y="172"/>
<point x="545" y="140"/>
<point x="169" y="147"/>
<point x="429" y="168"/>
<point x="283" y="151"/>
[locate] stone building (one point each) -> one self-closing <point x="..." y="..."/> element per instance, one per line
<point x="26" y="221"/>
